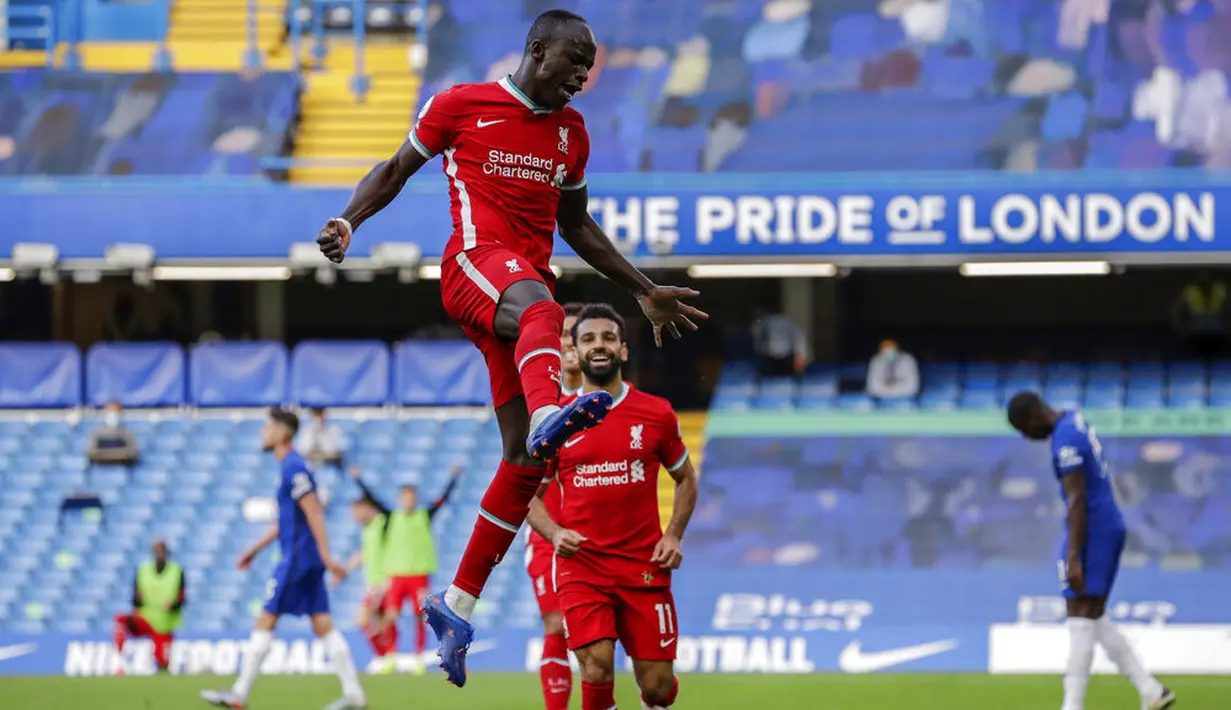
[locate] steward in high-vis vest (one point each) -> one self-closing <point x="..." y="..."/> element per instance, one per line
<point x="158" y="599"/>
<point x="406" y="551"/>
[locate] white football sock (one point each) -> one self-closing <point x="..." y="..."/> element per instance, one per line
<point x="1081" y="657"/>
<point x="1121" y="653"/>
<point x="258" y="648"/>
<point x="536" y="419"/>
<point x="460" y="602"/>
<point x="343" y="665"/>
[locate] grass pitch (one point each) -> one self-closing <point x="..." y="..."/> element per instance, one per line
<point x="699" y="692"/>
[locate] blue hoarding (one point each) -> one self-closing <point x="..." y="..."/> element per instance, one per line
<point x="704" y="216"/>
<point x="781" y="620"/>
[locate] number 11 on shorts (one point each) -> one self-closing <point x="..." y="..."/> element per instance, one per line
<point x="666" y="620"/>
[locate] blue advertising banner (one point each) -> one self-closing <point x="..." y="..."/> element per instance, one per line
<point x="778" y="620"/>
<point x="1173" y="213"/>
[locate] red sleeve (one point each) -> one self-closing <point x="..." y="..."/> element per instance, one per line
<point x="576" y="178"/>
<point x="436" y="127"/>
<point x="550" y="474"/>
<point x="671" y="449"/>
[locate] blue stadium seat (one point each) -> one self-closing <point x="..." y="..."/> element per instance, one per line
<point x="336" y="373"/>
<point x="239" y="374"/>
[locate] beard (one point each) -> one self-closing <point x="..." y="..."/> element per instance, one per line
<point x="601" y="374"/>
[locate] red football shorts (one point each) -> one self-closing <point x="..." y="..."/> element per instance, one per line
<point x="539" y="560"/>
<point x="406" y="589"/>
<point x="642" y="619"/>
<point x="470" y="286"/>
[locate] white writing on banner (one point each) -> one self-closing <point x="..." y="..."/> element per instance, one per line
<point x="763" y="612"/>
<point x="1052" y="610"/>
<point x="911" y="220"/>
<point x="217" y="657"/>
<point x="721" y="654"/>
<point x="1199" y="649"/>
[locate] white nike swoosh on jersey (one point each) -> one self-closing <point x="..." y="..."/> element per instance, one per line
<point x="17" y="651"/>
<point x="854" y="660"/>
<point x="574" y="440"/>
<point x="664" y="644"/>
<point x="485" y="124"/>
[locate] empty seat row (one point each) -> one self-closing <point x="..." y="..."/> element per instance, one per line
<point x="243" y="374"/>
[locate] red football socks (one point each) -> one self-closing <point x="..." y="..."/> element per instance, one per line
<point x="420" y="634"/>
<point x="597" y="696"/>
<point x="667" y="701"/>
<point x="384" y="641"/>
<point x="538" y="354"/>
<point x="501" y="513"/>
<point x="555" y="673"/>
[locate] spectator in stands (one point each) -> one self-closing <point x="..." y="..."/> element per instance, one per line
<point x="1200" y="315"/>
<point x="781" y="346"/>
<point x="321" y="441"/>
<point x="113" y="443"/>
<point x="893" y="373"/>
<point x="158" y="598"/>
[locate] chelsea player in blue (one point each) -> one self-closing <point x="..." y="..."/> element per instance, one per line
<point x="1090" y="556"/>
<point x="298" y="584"/>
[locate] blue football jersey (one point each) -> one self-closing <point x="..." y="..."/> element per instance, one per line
<point x="299" y="551"/>
<point x="1075" y="448"/>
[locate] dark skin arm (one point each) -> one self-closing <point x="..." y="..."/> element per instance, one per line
<point x="1075" y="493"/>
<point x="661" y="304"/>
<point x="373" y="194"/>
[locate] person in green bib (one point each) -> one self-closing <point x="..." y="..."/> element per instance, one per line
<point x="407" y="553"/>
<point x="373" y="517"/>
<point x="158" y="598"/>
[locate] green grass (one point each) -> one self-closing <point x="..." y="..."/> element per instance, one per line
<point x="699" y="692"/>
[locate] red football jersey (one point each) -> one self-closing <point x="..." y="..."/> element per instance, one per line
<point x="507" y="160"/>
<point x="608" y="481"/>
<point x="539" y="545"/>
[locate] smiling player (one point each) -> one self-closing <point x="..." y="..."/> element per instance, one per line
<point x="613" y="561"/>
<point x="515" y="155"/>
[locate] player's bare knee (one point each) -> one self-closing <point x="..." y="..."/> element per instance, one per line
<point x="553" y="624"/>
<point x="513" y="303"/>
<point x="597" y="662"/>
<point x="322" y="624"/>
<point x="656" y="680"/>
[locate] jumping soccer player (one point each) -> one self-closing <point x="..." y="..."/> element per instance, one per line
<point x="1090" y="555"/>
<point x="613" y="560"/>
<point x="298" y="584"/>
<point x="158" y="598"/>
<point x="515" y="156"/>
<point x="555" y="674"/>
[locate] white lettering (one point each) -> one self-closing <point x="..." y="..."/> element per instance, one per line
<point x="1003" y="224"/>
<point x="714" y="214"/>
<point x="1158" y="227"/>
<point x="784" y="218"/>
<point x="755" y="215"/>
<point x="968" y="230"/>
<point x="759" y="612"/>
<point x="855" y="219"/>
<point x="1097" y="206"/>
<point x="624" y="224"/>
<point x="812" y="231"/>
<point x="1193" y="219"/>
<point x="662" y="216"/>
<point x="1063" y="220"/>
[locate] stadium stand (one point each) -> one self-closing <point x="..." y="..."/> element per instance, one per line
<point x="748" y="85"/>
<point x="929" y="504"/>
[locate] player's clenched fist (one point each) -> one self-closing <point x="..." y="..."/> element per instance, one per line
<point x="667" y="553"/>
<point x="568" y="542"/>
<point x="334" y="239"/>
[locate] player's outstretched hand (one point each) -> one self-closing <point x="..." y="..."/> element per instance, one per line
<point x="334" y="240"/>
<point x="663" y="308"/>
<point x="1074" y="575"/>
<point x="568" y="542"/>
<point x="668" y="553"/>
<point x="245" y="560"/>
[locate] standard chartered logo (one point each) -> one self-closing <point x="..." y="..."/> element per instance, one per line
<point x="522" y="166"/>
<point x="608" y="473"/>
